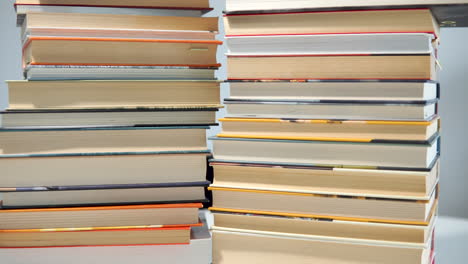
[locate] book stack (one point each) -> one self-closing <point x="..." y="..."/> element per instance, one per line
<point x="104" y="142"/>
<point x="329" y="151"/>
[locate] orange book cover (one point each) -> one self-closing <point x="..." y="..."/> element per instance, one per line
<point x="102" y="229"/>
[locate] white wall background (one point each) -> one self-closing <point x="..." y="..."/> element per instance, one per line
<point x="454" y="111"/>
<point x="453" y="107"/>
<point x="10" y="49"/>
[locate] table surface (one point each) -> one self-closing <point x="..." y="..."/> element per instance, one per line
<point x="451" y="240"/>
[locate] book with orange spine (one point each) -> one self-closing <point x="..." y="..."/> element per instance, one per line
<point x="329" y="130"/>
<point x="195" y="252"/>
<point x="82" y="217"/>
<point x="325" y="206"/>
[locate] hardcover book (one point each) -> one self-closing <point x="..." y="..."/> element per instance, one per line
<point x="369" y="90"/>
<point x="332" y="109"/>
<point x="330" y="22"/>
<point x="449" y="13"/>
<point x="121" y="72"/>
<point x="81" y="217"/>
<point x="101" y="141"/>
<point x="95" y="170"/>
<point x="104" y="195"/>
<point x="339" y="130"/>
<point x="417" y="43"/>
<point x="98" y="236"/>
<point x="78" y="118"/>
<point x="371" y="182"/>
<point x="324" y="206"/>
<point x="195" y="252"/>
<point x="25" y="95"/>
<point x="192" y="8"/>
<point x="237" y="247"/>
<point x="397" y="154"/>
<point x="342" y="67"/>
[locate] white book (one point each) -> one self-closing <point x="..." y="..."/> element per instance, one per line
<point x="334" y="90"/>
<point x="231" y="247"/>
<point x="101" y="170"/>
<point x="117" y="33"/>
<point x="330" y="44"/>
<point x="331" y="153"/>
<point x="332" y="109"/>
<point x="46" y="72"/>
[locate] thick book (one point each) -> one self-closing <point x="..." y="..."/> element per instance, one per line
<point x="395" y="154"/>
<point x="112" y="72"/>
<point x="368" y="90"/>
<point x="27" y="95"/>
<point x="325" y="206"/>
<point x="193" y="8"/>
<point x="197" y="252"/>
<point x="376" y="182"/>
<point x="103" y="195"/>
<point x="101" y="141"/>
<point x="244" y="5"/>
<point x="81" y="217"/>
<point x="23" y="10"/>
<point x="80" y="22"/>
<point x="449" y="13"/>
<point x="357" y="21"/>
<point x="382" y="233"/>
<point x="50" y="31"/>
<point x="40" y="119"/>
<point x="332" y="109"/>
<point x="26" y="173"/>
<point x="345" y="67"/>
<point x="119" y="52"/>
<point x="137" y="48"/>
<point x="416" y="43"/>
<point x="316" y="129"/>
<point x="241" y="246"/>
<point x="94" y="236"/>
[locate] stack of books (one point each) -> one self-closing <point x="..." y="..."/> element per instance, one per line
<point x="104" y="143"/>
<point x="330" y="150"/>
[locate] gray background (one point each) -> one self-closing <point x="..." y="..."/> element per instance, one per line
<point x="453" y="107"/>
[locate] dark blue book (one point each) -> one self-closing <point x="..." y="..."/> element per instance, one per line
<point x="100" y="195"/>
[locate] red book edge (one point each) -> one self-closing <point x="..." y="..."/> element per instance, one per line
<point x="99" y="229"/>
<point x="311" y="78"/>
<point x="125" y="6"/>
<point x="327" y="11"/>
<point x="129" y="245"/>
